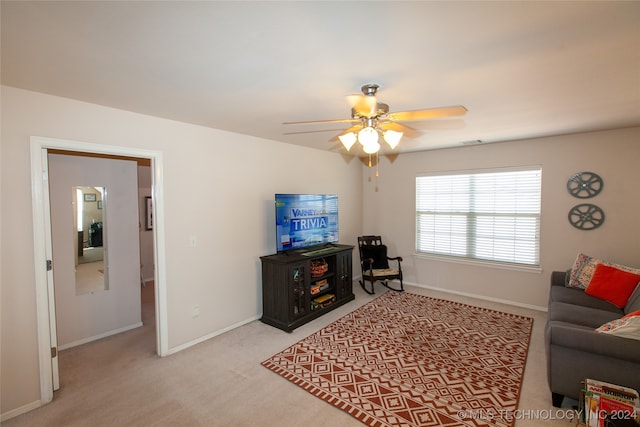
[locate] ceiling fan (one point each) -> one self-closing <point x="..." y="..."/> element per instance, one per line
<point x="371" y="119"/>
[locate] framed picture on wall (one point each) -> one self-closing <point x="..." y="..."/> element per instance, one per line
<point x="149" y="214"/>
<point x="89" y="197"/>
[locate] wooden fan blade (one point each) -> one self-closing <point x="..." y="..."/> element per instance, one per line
<point x="430" y="113"/>
<point x="406" y="130"/>
<point x="354" y="129"/>
<point x="444" y="124"/>
<point x="337" y="147"/>
<point x="311" y="131"/>
<point x="363" y="105"/>
<point x="311" y="122"/>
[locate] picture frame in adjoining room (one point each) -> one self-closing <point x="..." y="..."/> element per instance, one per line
<point x="90" y="197"/>
<point x="149" y="213"/>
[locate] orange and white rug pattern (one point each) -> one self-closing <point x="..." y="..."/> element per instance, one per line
<point x="411" y="360"/>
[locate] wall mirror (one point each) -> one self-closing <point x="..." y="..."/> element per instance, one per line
<point x="90" y="245"/>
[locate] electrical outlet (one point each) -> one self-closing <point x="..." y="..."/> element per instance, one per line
<point x="195" y="311"/>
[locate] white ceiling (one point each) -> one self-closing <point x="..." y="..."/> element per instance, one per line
<point x="522" y="69"/>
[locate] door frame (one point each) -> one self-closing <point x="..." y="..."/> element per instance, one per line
<point x="45" y="302"/>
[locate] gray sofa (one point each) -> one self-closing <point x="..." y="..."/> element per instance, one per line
<point x="575" y="351"/>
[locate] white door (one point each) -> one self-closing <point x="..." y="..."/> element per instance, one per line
<point x="55" y="374"/>
<point x="99" y="298"/>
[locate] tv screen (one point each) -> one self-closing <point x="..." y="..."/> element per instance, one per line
<point x="304" y="220"/>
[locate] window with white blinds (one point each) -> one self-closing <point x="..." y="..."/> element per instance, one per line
<point x="481" y="215"/>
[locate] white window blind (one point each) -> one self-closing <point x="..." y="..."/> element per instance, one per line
<point x="484" y="215"/>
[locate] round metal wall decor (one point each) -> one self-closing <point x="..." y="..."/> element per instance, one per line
<point x="584" y="185"/>
<point x="586" y="216"/>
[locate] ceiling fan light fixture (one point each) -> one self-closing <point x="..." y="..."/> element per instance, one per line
<point x="348" y="139"/>
<point x="392" y="138"/>
<point x="371" y="120"/>
<point x="368" y="136"/>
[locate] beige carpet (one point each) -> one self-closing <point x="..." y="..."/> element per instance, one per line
<point x="119" y="381"/>
<point x="91" y="255"/>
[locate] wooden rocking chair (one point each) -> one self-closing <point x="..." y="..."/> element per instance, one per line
<point x="375" y="264"/>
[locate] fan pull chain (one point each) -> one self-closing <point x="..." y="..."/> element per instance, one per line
<point x="377" y="163"/>
<point x="369" y="159"/>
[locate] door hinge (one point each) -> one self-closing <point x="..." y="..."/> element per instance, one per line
<point x="54" y="352"/>
<point x="49" y="265"/>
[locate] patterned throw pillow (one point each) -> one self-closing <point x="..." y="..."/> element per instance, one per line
<point x="582" y="271"/>
<point x="627" y="326"/>
<point x="584" y="267"/>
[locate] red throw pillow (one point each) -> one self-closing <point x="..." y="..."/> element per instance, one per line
<point x="613" y="285"/>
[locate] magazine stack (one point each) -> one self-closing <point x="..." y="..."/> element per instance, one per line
<point x="605" y="405"/>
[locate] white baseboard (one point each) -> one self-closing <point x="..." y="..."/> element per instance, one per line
<point x="211" y="335"/>
<point x="482" y="297"/>
<point x="466" y="294"/>
<point x="97" y="337"/>
<point x="21" y="410"/>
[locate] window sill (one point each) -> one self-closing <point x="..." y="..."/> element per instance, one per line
<point x="478" y="262"/>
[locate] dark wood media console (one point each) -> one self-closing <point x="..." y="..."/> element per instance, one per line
<point x="294" y="292"/>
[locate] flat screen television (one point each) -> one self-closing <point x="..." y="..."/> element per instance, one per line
<point x="305" y="220"/>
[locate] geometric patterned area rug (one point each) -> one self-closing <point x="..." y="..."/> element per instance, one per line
<point x="411" y="360"/>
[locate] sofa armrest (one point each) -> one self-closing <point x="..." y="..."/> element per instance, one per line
<point x="585" y="339"/>
<point x="558" y="278"/>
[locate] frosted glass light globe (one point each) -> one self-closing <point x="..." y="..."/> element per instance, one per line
<point x="368" y="135"/>
<point x="371" y="147"/>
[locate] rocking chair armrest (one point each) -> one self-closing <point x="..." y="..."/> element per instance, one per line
<point x="367" y="265"/>
<point x="399" y="259"/>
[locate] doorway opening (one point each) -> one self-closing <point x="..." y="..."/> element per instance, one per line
<point x="47" y="344"/>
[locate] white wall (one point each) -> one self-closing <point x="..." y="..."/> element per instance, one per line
<point x="218" y="187"/>
<point x="613" y="155"/>
<point x="81" y="317"/>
